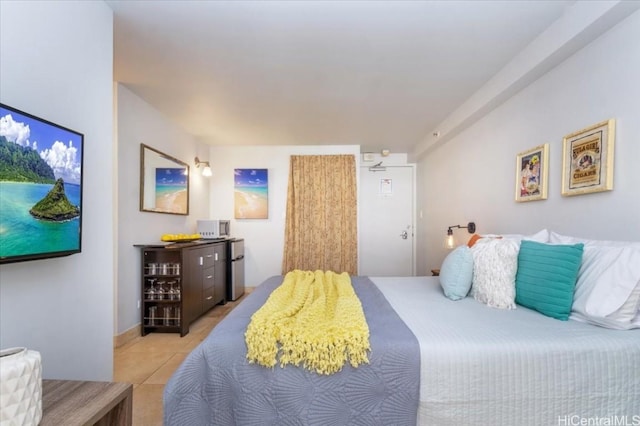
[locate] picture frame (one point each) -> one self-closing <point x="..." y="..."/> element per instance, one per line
<point x="251" y="193"/>
<point x="587" y="159"/>
<point x="532" y="172"/>
<point x="164" y="182"/>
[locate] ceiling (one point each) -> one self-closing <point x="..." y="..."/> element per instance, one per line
<point x="380" y="74"/>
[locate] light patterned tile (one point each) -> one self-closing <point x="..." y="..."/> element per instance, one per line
<point x="161" y="376"/>
<point x="161" y="342"/>
<point x="203" y="323"/>
<point x="147" y="405"/>
<point x="136" y="367"/>
<point x="149" y="361"/>
<point x="129" y="344"/>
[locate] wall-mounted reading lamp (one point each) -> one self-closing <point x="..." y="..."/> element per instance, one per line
<point x="206" y="170"/>
<point x="450" y="241"/>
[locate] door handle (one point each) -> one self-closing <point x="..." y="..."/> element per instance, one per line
<point x="404" y="235"/>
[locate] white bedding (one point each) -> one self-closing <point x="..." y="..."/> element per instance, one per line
<point x="481" y="365"/>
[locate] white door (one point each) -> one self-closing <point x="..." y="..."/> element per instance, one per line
<point x="386" y="222"/>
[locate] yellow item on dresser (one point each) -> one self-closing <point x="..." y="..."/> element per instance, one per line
<point x="313" y="319"/>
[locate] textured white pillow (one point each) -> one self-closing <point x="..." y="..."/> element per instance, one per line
<point x="495" y="263"/>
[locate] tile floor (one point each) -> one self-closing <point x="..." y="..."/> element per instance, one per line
<point x="149" y="361"/>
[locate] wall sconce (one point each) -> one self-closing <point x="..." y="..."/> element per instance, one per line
<point x="206" y="170"/>
<point x="450" y="241"/>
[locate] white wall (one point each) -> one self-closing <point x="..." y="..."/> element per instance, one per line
<point x="478" y="165"/>
<point x="264" y="238"/>
<point x="139" y="123"/>
<point x="56" y="62"/>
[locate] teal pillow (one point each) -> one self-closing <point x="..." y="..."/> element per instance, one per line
<point x="456" y="273"/>
<point x="547" y="276"/>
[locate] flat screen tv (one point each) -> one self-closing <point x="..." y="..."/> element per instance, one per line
<point x="40" y="188"/>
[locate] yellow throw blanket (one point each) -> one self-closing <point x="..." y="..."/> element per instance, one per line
<point x="313" y="319"/>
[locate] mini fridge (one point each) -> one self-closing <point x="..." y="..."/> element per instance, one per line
<point x="235" y="272"/>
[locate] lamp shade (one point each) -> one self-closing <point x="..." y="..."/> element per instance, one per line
<point x="449" y="240"/>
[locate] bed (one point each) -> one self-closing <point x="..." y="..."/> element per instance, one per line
<point x="434" y="361"/>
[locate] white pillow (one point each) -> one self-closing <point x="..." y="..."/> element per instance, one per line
<point x="608" y="295"/>
<point x="495" y="263"/>
<point x="608" y="287"/>
<point x="616" y="285"/>
<point x="629" y="311"/>
<point x="540" y="236"/>
<point x="555" y="238"/>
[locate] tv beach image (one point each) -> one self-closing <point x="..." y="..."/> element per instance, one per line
<point x="251" y="194"/>
<point x="171" y="190"/>
<point x="40" y="186"/>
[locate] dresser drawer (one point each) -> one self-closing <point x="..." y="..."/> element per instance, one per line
<point x="208" y="258"/>
<point x="208" y="277"/>
<point x="208" y="299"/>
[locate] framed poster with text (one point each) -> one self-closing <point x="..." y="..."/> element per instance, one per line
<point x="587" y="159"/>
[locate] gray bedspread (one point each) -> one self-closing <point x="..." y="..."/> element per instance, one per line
<point x="215" y="385"/>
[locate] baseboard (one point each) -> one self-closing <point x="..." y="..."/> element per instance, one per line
<point x="134" y="332"/>
<point x="127" y="336"/>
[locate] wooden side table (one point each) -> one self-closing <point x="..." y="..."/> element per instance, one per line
<point x="71" y="402"/>
<point x="435" y="272"/>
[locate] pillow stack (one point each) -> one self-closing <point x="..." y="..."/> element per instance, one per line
<point x="561" y="277"/>
<point x="607" y="290"/>
<point x="468" y="267"/>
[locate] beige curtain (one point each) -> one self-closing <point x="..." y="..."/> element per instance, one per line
<point x="321" y="223"/>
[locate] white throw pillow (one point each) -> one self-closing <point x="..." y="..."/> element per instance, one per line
<point x="495" y="263"/>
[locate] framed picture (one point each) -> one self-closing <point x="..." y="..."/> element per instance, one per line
<point x="587" y="159"/>
<point x="532" y="172"/>
<point x="164" y="182"/>
<point x="251" y="193"/>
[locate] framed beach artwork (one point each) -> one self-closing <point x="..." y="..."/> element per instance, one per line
<point x="164" y="182"/>
<point x="251" y="193"/>
<point x="587" y="159"/>
<point x="532" y="170"/>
